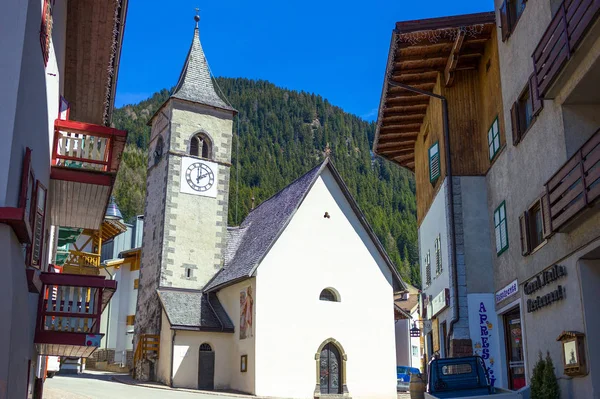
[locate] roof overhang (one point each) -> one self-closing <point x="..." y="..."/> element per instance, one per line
<point x="421" y="52"/>
<point x="94" y="40"/>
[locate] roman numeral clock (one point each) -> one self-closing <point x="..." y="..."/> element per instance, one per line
<point x="198" y="177"/>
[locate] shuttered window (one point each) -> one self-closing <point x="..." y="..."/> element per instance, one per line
<point x="428" y="269"/>
<point x="525" y="109"/>
<point x="535" y="225"/>
<point x="510" y="12"/>
<point x="38" y="213"/>
<point x="434" y="162"/>
<point x="438" y="255"/>
<point x="494" y="139"/>
<point x="536" y="102"/>
<point x="500" y="228"/>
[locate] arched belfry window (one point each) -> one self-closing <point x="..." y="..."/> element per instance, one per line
<point x="329" y="295"/>
<point x="201" y="146"/>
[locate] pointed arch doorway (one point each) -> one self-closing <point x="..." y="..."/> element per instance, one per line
<point x="331" y="369"/>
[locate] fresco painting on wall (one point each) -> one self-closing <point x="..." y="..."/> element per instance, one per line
<point x="246" y="312"/>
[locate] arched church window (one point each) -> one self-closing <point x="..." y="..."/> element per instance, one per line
<point x="205" y="347"/>
<point x="158" y="149"/>
<point x="329" y="295"/>
<point x="201" y="146"/>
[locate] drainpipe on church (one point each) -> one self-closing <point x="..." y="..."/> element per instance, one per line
<point x="450" y="199"/>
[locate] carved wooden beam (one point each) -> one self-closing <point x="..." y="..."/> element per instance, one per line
<point x="453" y="59"/>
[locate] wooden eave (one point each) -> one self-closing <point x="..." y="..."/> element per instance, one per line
<point x="421" y="51"/>
<point x="94" y="36"/>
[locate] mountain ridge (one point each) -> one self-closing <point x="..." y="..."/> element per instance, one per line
<point x="282" y="134"/>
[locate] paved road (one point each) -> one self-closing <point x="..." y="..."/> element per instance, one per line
<point x="100" y="386"/>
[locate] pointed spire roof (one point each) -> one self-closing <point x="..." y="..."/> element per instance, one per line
<point x="195" y="83"/>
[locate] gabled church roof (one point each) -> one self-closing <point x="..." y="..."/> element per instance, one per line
<point x="209" y="314"/>
<point x="263" y="226"/>
<point x="195" y="83"/>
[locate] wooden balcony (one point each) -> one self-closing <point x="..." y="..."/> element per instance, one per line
<point x="69" y="310"/>
<point x="85" y="161"/>
<point x="561" y="39"/>
<point x="576" y="186"/>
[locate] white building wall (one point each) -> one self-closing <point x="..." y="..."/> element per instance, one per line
<point x="314" y="253"/>
<point x="185" y="358"/>
<point x="230" y="299"/>
<point x="402" y="333"/>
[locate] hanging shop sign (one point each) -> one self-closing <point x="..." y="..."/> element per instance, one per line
<point x="440" y="302"/>
<point x="541" y="280"/>
<point x="507" y="292"/>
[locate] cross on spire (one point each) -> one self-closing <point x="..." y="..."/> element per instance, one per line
<point x="197" y="17"/>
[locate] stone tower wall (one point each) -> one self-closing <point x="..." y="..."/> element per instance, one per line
<point x="196" y="226"/>
<point x="154" y="246"/>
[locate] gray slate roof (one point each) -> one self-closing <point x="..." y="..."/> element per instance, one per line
<point x="195" y="83"/>
<point x="249" y="243"/>
<point x="194" y="310"/>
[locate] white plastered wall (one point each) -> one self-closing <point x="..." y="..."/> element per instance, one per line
<point x="314" y="253"/>
<point x="185" y="358"/>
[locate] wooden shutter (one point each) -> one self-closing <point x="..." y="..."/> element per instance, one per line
<point x="504" y="20"/>
<point x="524" y="233"/>
<point x="516" y="123"/>
<point x="546" y="217"/>
<point x="536" y="102"/>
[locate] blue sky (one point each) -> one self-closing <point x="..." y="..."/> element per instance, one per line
<point x="334" y="48"/>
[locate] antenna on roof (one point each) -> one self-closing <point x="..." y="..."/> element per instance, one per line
<point x="252" y="201"/>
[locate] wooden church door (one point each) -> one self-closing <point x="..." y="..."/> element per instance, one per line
<point x="206" y="368"/>
<point x="330" y="370"/>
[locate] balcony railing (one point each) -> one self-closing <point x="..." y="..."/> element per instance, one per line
<point x="86" y="146"/>
<point x="69" y="312"/>
<point x="576" y="185"/>
<point x="559" y="42"/>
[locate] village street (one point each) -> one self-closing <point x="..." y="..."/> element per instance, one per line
<point x="100" y="385"/>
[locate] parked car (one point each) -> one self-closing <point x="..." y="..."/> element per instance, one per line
<point x="403" y="375"/>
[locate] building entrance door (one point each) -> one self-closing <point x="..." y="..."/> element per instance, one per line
<point x="330" y="370"/>
<point x="206" y="368"/>
<point x="514" y="349"/>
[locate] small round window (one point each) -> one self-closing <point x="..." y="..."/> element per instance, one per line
<point x="329" y="295"/>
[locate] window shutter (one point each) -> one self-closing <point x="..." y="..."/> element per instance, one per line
<point x="524" y="234"/>
<point x="546" y="217"/>
<point x="536" y="102"/>
<point x="504" y="21"/>
<point x="516" y="123"/>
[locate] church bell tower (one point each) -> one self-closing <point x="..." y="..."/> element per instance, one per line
<point x="187" y="189"/>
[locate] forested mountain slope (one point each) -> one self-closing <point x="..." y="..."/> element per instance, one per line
<point x="282" y="134"/>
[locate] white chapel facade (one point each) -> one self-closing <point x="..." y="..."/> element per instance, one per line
<point x="296" y="302"/>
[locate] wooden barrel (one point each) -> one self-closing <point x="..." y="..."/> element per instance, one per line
<point x="417" y="386"/>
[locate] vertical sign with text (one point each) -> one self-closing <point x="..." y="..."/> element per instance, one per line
<point x="483" y="327"/>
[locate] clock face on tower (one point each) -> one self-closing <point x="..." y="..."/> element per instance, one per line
<point x="199" y="177"/>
